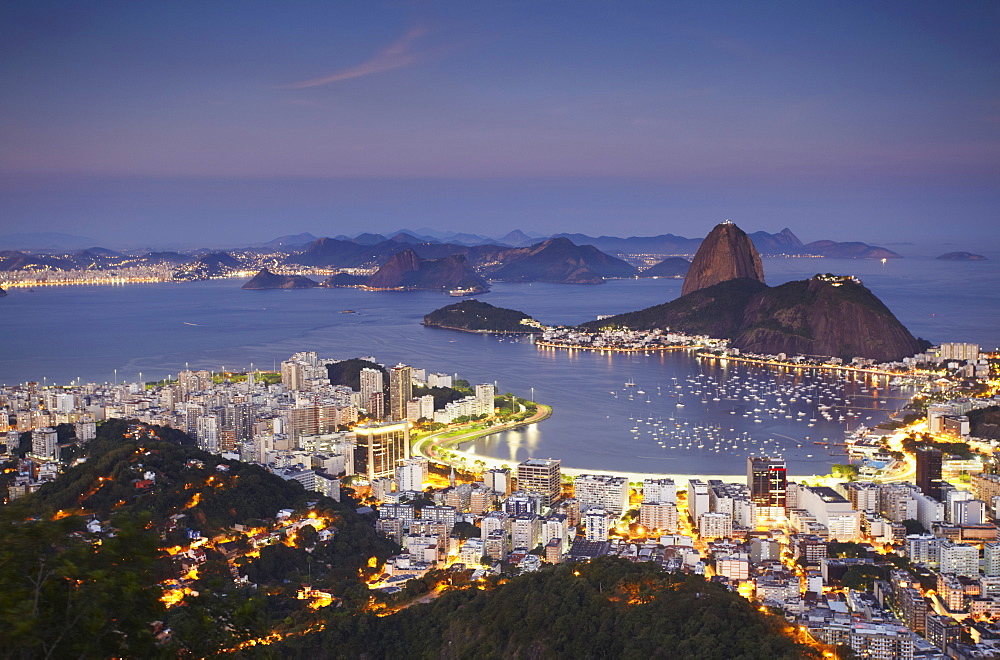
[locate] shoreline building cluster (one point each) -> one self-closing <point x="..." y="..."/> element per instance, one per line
<point x="815" y="551"/>
<point x="302" y="427"/>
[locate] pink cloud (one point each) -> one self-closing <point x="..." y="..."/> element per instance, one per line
<point x="397" y="55"/>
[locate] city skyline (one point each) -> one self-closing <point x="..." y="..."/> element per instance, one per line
<point x="234" y="124"/>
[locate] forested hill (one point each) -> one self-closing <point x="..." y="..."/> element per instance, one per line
<point x="184" y="555"/>
<point x="475" y="316"/>
<point x="608" y="608"/>
<point x="185" y="480"/>
<point x="348" y="372"/>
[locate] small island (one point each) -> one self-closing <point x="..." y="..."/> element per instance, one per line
<point x="2" y="293"/>
<point x="962" y="256"/>
<point x="475" y="316"/>
<point x="265" y="279"/>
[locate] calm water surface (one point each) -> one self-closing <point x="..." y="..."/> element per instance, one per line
<point x="61" y="334"/>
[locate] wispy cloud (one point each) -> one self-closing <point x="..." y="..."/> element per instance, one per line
<point x="399" y="54"/>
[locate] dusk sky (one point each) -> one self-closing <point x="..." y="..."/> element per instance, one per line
<point x="228" y="123"/>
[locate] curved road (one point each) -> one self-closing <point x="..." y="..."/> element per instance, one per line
<point x="429" y="446"/>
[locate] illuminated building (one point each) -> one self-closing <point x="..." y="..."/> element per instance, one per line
<point x="929" y="463"/>
<point x="596" y="519"/>
<point x="603" y="490"/>
<point x="400" y="391"/>
<point x="542" y="476"/>
<point x="380" y="448"/>
<point x="659" y="491"/>
<point x="45" y="444"/>
<point x="767" y="479"/>
<point x="991" y="559"/>
<point x="412" y="473"/>
<point x="525" y="531"/>
<point x="697" y="499"/>
<point x="498" y="480"/>
<point x="657" y="516"/>
<point x="371" y="383"/>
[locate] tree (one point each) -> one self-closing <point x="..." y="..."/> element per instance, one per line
<point x="845" y="471"/>
<point x="306" y="537"/>
<point x="465" y="530"/>
<point x="862" y="577"/>
<point x="914" y="526"/>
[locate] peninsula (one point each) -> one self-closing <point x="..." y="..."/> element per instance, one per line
<point x="725" y="297"/>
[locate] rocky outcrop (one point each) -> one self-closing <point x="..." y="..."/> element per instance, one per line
<point x="784" y="242"/>
<point x="669" y="267"/>
<point x="727" y="253"/>
<point x="962" y="256"/>
<point x="407" y="270"/>
<point x="2" y="293"/>
<point x="716" y="311"/>
<point x="826" y="315"/>
<point x="559" y="260"/>
<point x="265" y="279"/>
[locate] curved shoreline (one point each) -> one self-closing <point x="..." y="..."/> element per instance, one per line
<point x="426" y="447"/>
<point x="796" y="365"/>
<point x="437" y="441"/>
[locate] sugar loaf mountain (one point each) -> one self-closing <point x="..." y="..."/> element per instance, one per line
<point x="724" y="296"/>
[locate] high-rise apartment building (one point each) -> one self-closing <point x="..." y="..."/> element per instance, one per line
<point x="542" y="476"/>
<point x="380" y="449"/>
<point x="658" y="516"/>
<point x="602" y="490"/>
<point x="929" y="463"/>
<point x="485" y="394"/>
<point x="697" y="499"/>
<point x="412" y="473"/>
<point x="659" y="491"/>
<point x="598" y="524"/>
<point x="207" y="433"/>
<point x="45" y="443"/>
<point x="991" y="559"/>
<point x="371" y="381"/>
<point x="400" y="391"/>
<point x="498" y="480"/>
<point x="959" y="351"/>
<point x="768" y="481"/>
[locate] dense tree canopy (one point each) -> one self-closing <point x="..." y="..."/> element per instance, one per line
<point x="608" y="608"/>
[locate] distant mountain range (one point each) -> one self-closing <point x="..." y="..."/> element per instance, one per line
<point x="406" y="270"/>
<point x="517" y="256"/>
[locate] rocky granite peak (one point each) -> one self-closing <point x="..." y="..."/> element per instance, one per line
<point x="406" y="270"/>
<point x="727" y="253"/>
